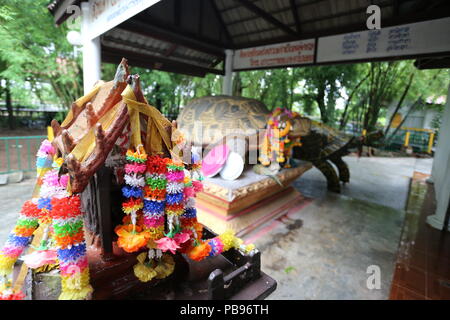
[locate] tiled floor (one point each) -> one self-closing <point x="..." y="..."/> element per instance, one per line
<point x="423" y="261"/>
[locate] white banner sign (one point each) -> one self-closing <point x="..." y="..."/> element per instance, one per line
<point x="106" y="14"/>
<point x="283" y="54"/>
<point x="409" y="39"/>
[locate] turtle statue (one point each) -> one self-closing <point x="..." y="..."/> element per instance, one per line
<point x="209" y="120"/>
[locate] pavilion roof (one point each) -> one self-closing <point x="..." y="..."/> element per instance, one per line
<point x="190" y="36"/>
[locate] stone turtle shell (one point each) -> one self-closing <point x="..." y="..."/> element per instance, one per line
<point x="220" y="115"/>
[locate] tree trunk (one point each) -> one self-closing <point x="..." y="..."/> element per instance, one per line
<point x="399" y="104"/>
<point x="158" y="99"/>
<point x="237" y="85"/>
<point x="9" y="106"/>
<point x="344" y="117"/>
<point x="320" y="99"/>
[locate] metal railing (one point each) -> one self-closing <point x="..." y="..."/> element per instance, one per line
<point x="19" y="153"/>
<point x="420" y="140"/>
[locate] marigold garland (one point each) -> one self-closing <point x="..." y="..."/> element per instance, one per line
<point x="276" y="146"/>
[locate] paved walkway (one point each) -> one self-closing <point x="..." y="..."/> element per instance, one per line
<point x="324" y="250"/>
<point x="13" y="195"/>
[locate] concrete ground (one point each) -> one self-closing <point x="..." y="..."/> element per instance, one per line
<point x="322" y="251"/>
<point x="12" y="196"/>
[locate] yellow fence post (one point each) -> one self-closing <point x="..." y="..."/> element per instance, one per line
<point x="407" y="138"/>
<point x="430" y="142"/>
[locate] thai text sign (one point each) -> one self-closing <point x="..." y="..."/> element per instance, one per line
<point x="106" y="14"/>
<point x="283" y="54"/>
<point x="409" y="39"/>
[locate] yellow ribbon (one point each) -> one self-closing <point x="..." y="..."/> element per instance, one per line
<point x="156" y="132"/>
<point x="156" y="123"/>
<point x="86" y="145"/>
<point x="81" y="101"/>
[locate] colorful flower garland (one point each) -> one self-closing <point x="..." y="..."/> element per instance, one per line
<point x="27" y="223"/>
<point x="276" y="146"/>
<point x="174" y="207"/>
<point x="217" y="245"/>
<point x="71" y="247"/>
<point x="131" y="236"/>
<point x="55" y="206"/>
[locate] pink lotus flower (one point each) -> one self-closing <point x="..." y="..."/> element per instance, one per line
<point x="167" y="244"/>
<point x="40" y="258"/>
<point x="181" y="238"/>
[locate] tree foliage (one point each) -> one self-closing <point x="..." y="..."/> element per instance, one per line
<point x="38" y="64"/>
<point x="37" y="53"/>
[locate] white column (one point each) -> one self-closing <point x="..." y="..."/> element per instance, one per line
<point x="227" y="84"/>
<point x="91" y="53"/>
<point x="441" y="170"/>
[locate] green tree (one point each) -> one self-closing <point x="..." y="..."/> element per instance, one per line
<point x="35" y="52"/>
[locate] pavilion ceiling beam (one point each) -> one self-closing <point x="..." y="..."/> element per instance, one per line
<point x="200" y="18"/>
<point x="170" y="51"/>
<point x="222" y="24"/>
<point x="295" y="15"/>
<point x="382" y="5"/>
<point x="267" y="16"/>
<point x="163" y="61"/>
<point x="387" y="22"/>
<point x="111" y="57"/>
<point x="396" y="6"/>
<point x="285" y="9"/>
<point x="153" y="31"/>
<point x="177" y="12"/>
<point x="388" y="3"/>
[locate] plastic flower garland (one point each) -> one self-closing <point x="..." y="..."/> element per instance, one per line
<point x="71" y="247"/>
<point x="52" y="205"/>
<point x="132" y="237"/>
<point x="277" y="146"/>
<point x="27" y="223"/>
<point x="154" y="222"/>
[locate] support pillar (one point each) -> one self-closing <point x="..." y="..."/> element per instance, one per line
<point x="227" y="84"/>
<point x="441" y="170"/>
<point x="91" y="52"/>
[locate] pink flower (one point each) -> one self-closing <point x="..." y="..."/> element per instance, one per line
<point x="39" y="258"/>
<point x="181" y="237"/>
<point x="135" y="168"/>
<point x="153" y="222"/>
<point x="64" y="180"/>
<point x="47" y="147"/>
<point x="175" y="176"/>
<point x="189" y="192"/>
<point x="12" y="251"/>
<point x="51" y="178"/>
<point x="70" y="268"/>
<point x="167" y="244"/>
<point x="198" y="186"/>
